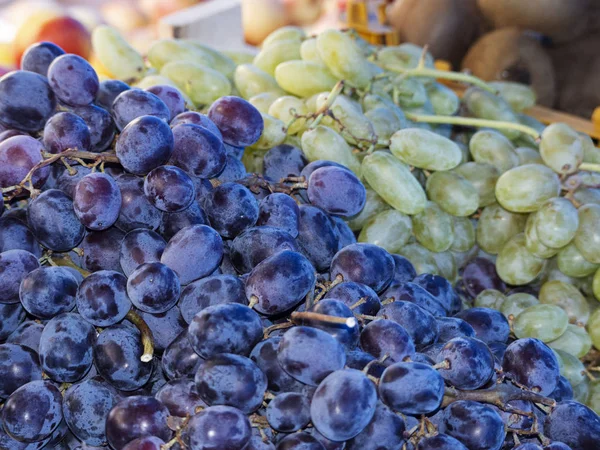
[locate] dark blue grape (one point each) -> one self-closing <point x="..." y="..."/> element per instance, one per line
<point x="336" y="191"/>
<point x="489" y="325"/>
<point x="234" y="170"/>
<point x="357" y="359"/>
<point x="198" y="151"/>
<point x="4" y="135"/>
<point x="218" y="428"/>
<point x="420" y="325"/>
<point x="257" y="443"/>
<point x="144" y="144"/>
<point x="26" y="100"/>
<point x="451" y="327"/>
<point x="327" y="444"/>
<point x="169" y="189"/>
<point x="53" y="221"/>
<point x="528" y="446"/>
<point x="226" y="328"/>
<point x="66" y="131"/>
<point x="531" y="363"/>
<point x="280" y="282"/>
<point x="438" y="287"/>
<point x="343" y="333"/>
<point x="289" y="412"/>
<point x="97" y="201"/>
<point x="33" y="411"/>
<point x="264" y="355"/>
<point x="422" y="358"/>
<point x="14" y="235"/>
<point x="514" y="420"/>
<point x="232" y="380"/>
<point x="563" y="390"/>
<point x="172" y="223"/>
<point x="38" y="57"/>
<point x="180" y="397"/>
<point x="145" y="443"/>
<point x="480" y="274"/>
<point x="231" y="208"/>
<point x="314" y="165"/>
<point x="385" y="337"/>
<point x="283" y="161"/>
<point x="432" y="351"/>
<point x="364" y="263"/>
<point x="280" y="211"/>
<point x="170" y="97"/>
<point x="27" y="334"/>
<point x="179" y="358"/>
<point x="14" y="267"/>
<point x="18" y="366"/>
<point x="135" y="103"/>
<point x="317" y="237"/>
<point x="165" y="326"/>
<point x="309" y="354"/>
<point x="195" y="118"/>
<point x="477" y="426"/>
<point x="11" y="316"/>
<point x="210" y="291"/>
<point x="138" y="247"/>
<point x="384" y="432"/>
<point x="350" y="292"/>
<point x="48" y="291"/>
<point x="73" y="80"/>
<point x="108" y="91"/>
<point x="153" y="288"/>
<point x="411" y="292"/>
<point x="440" y="442"/>
<point x="101" y="126"/>
<point x="102" y="298"/>
<point x="136" y="417"/>
<point x="470" y="363"/>
<point x="239" y="122"/>
<point x="67" y="182"/>
<point x="117" y="357"/>
<point x="299" y="441"/>
<point x="18" y="155"/>
<point x="344" y="233"/>
<point x="193" y="253"/>
<point x="86" y="406"/>
<point x="101" y="250"/>
<point x="136" y="210"/>
<point x="343" y="404"/>
<point x="256" y="244"/>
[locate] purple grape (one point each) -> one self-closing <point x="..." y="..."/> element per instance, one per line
<point x="102" y="299"/>
<point x="153" y="288"/>
<point x="411" y="292"/>
<point x="234" y="152"/>
<point x="170" y="97"/>
<point x="299" y="441"/>
<point x="218" y="428"/>
<point x="283" y="161"/>
<point x="197" y="151"/>
<point x="451" y="327"/>
<point x="336" y="191"/>
<point x="132" y="104"/>
<point x="27" y="334"/>
<point x="48" y="291"/>
<point x="385" y="337"/>
<point x="234" y="170"/>
<point x="4" y="135"/>
<point x="138" y="247"/>
<point x="67" y="182"/>
<point x="179" y="358"/>
<point x="264" y="355"/>
<point x="239" y="122"/>
<point x="364" y="263"/>
<point x="573" y="424"/>
<point x="476" y="425"/>
<point x="384" y="431"/>
<point x="169" y="189"/>
<point x="440" y="442"/>
<point x="145" y="443"/>
<point x="165" y="326"/>
<point x="73" y="80"/>
<point x="350" y="292"/>
<point x="38" y="57"/>
<point x="172" y="223"/>
<point x="12" y="315"/>
<point x="101" y="126"/>
<point x="344" y="233"/>
<point x="18" y="366"/>
<point x="562" y="392"/>
<point x="66" y="131"/>
<point x="531" y="363"/>
<point x="231" y="208"/>
<point x="180" y="397"/>
<point x="346" y="335"/>
<point x="97" y="201"/>
<point x="280" y="211"/>
<point x="317" y="237"/>
<point x="470" y="363"/>
<point x="101" y="250"/>
<point x="256" y="244"/>
<point x="195" y="118"/>
<point x="480" y="274"/>
<point x="18" y="155"/>
<point x="136" y="210"/>
<point x="439" y="288"/>
<point x="420" y="325"/>
<point x="14" y="267"/>
<point x="108" y="91"/>
<point x="489" y="325"/>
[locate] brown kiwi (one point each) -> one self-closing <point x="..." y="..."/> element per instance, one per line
<point x="448" y="27"/>
<point x="513" y="55"/>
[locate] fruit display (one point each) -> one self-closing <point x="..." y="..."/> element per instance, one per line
<point x="322" y="248"/>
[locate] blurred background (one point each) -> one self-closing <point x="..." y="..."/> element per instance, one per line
<point x="552" y="45"/>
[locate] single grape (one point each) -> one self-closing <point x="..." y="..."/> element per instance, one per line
<point x="14" y="267"/>
<point x="172" y="223"/>
<point x="283" y="161"/>
<point x="48" y="291"/>
<point x="280" y="211"/>
<point x="440" y="289"/>
<point x="299" y="441"/>
<point x="136" y="210"/>
<point x="350" y="293"/>
<point x="145" y="443"/>
<point x="256" y="244"/>
<point x="420" y="325"/>
<point x="543" y="322"/>
<point x="264" y="355"/>
<point x="231" y="208"/>
<point x="469" y="363"/>
<point x="179" y="358"/>
<point x="108" y="91"/>
<point x="317" y="237"/>
<point x="165" y="327"/>
<point x="135" y="103"/>
<point x="196" y="118"/>
<point x="288" y="412"/>
<point x="451" y="327"/>
<point x="386" y="337"/>
<point x="102" y="298"/>
<point x="198" y="150"/>
<point x="66" y="131"/>
<point x="474" y="424"/>
<point x="18" y="155"/>
<point x="38" y="57"/>
<point x="345" y="334"/>
<point x="480" y="274"/>
<point x="218" y="427"/>
<point x="364" y="263"/>
<point x="434" y="228"/>
<point x="412" y="292"/>
<point x="12" y="316"/>
<point x="73" y="80"/>
<point x="14" y="235"/>
<point x="169" y="189"/>
<point x="138" y="247"/>
<point x="101" y="126"/>
<point x="27" y="334"/>
<point x="489" y="325"/>
<point x="171" y="97"/>
<point x="180" y="397"/>
<point x="573" y="424"/>
<point x="440" y="442"/>
<point x="153" y="288"/>
<point x="344" y="233"/>
<point x="336" y="191"/>
<point x="240" y="123"/>
<point x="18" y="366"/>
<point x="101" y="250"/>
<point x="97" y="201"/>
<point x="531" y="363"/>
<point x="234" y="170"/>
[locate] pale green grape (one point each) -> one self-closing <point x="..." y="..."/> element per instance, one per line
<point x="116" y="55"/>
<point x="596" y="285"/>
<point x="527" y="155"/>
<point x="388" y="229"/>
<point x="593" y="328"/>
<point x="490" y="298"/>
<point x="464" y="235"/>
<point x="294" y="140"/>
<point x="250" y="81"/>
<point x="253" y="159"/>
<point x="304" y="78"/>
<point x="343" y="58"/>
<point x="571" y="262"/>
<point x="532" y="241"/>
<point x="515" y="264"/>
<point x="572" y="369"/>
<point x="486" y="105"/>
<point x="284" y="108"/>
<point x="591" y="153"/>
<point x="276" y="53"/>
<point x="421" y="258"/>
<point x="575" y="340"/>
<point x="392" y="180"/>
<point x="483" y="177"/>
<point x="288" y="33"/>
<point x="324" y="143"/>
<point x="557" y="222"/>
<point x="221" y="62"/>
<point x="349" y="118"/>
<point x="526" y="188"/>
<point x="447" y="266"/>
<point x="385" y="122"/>
<point x="373" y="101"/>
<point x="587" y="237"/>
<point x="491" y="147"/>
<point x="581" y="392"/>
<point x="444" y="100"/>
<point x="425" y="150"/>
<point x="434" y="228"/>
<point x="263" y="101"/>
<point x="561" y="148"/>
<point x="240" y="56"/>
<point x="164" y="51"/>
<point x="453" y="193"/>
<point x="543" y="322"/>
<point x="587" y="195"/>
<point x="373" y="205"/>
<point x="593" y="396"/>
<point x="496" y="226"/>
<point x="525" y="140"/>
<point x="519" y="96"/>
<point x="516" y="303"/>
<point x="274" y="133"/>
<point x="309" y="51"/>
<point x="403" y="56"/>
<point x="568" y="298"/>
<point x="201" y="84"/>
<point x="410" y="93"/>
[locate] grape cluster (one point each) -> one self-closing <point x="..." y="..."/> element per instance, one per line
<point x="306" y="266"/>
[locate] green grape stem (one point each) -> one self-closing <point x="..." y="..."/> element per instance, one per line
<point x="445" y="75"/>
<point x="590" y="167"/>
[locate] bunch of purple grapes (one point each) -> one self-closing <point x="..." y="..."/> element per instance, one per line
<point x="154" y="295"/>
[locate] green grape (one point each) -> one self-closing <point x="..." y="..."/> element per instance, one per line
<point x="389" y="229"/>
<point x="202" y="85"/>
<point x="571" y="262"/>
<point x="519" y="96"/>
<point x="557" y="222"/>
<point x="464" y="235"/>
<point x="561" y="148"/>
<point x="309" y="51"/>
<point x="288" y="33"/>
<point x="532" y="241"/>
<point x="483" y="177"/>
<point x="586" y="178"/>
<point x="402" y="57"/>
<point x="274" y="133"/>
<point x="585" y="195"/>
<point x="373" y="101"/>
<point x="304" y="78"/>
<point x="591" y="153"/>
<point x="515" y="264"/>
<point x="593" y="328"/>
<point x="525" y="140"/>
<point x="115" y="54"/>
<point x="587" y="237"/>
<point x="293" y="140"/>
<point x="221" y="62"/>
<point x="276" y="53"/>
<point x="572" y="369"/>
<point x="250" y="81"/>
<point x="575" y="340"/>
<point x="373" y="205"/>
<point x="596" y="285"/>
<point x="527" y="155"/>
<point x="253" y="159"/>
<point x="484" y="105"/>
<point x="425" y="150"/>
<point x="240" y="56"/>
<point x="164" y="51"/>
<point x="490" y="298"/>
<point x="421" y="258"/>
<point x="410" y="93"/>
<point x="516" y="303"/>
<point x="434" y="228"/>
<point x="491" y="147"/>
<point x="324" y="143"/>
<point x="543" y="322"/>
<point x="466" y="154"/>
<point x="385" y="122"/>
<point x="568" y="297"/>
<point x="453" y="193"/>
<point x="496" y="226"/>
<point x="394" y="182"/>
<point x="444" y="100"/>
<point x="581" y="392"/>
<point x="348" y="118"/>
<point x="447" y="266"/>
<point x="526" y="188"/>
<point x="284" y="108"/>
<point x="593" y="398"/>
<point x="263" y="101"/>
<point x="344" y="58"/>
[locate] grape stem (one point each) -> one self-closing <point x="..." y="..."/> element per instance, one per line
<point x="303" y="316"/>
<point x="147" y="339"/>
<point x="64" y="260"/>
<point x="499" y="396"/>
<point x="590" y="167"/>
<point x="445" y="75"/>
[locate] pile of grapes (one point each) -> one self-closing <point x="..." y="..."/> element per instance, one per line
<point x="316" y="250"/>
